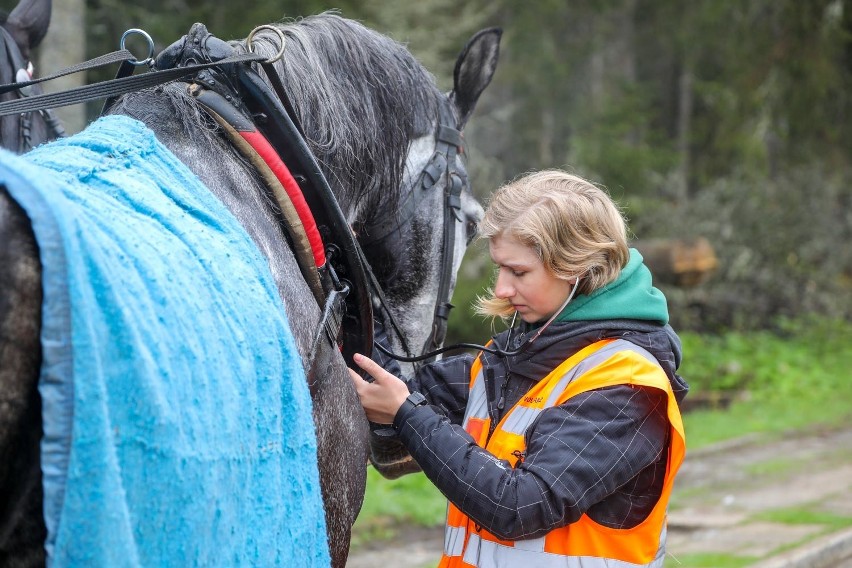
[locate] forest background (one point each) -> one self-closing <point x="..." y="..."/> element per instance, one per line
<point x="726" y="120"/>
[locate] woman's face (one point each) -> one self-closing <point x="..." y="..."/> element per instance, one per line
<point x="522" y="279"/>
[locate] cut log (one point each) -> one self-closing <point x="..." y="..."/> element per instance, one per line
<point x="680" y="262"/>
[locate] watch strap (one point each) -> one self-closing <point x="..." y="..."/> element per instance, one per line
<point x="412" y="401"/>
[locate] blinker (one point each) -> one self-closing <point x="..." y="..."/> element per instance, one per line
<point x="434" y="170"/>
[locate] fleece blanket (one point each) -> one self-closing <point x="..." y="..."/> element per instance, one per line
<point x="177" y="419"/>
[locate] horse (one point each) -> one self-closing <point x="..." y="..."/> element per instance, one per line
<point x="377" y="124"/>
<point x="22" y="31"/>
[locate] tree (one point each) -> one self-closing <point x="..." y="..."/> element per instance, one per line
<point x="65" y="45"/>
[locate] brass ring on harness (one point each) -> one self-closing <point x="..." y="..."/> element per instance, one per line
<point x="150" y="41"/>
<point x="278" y="31"/>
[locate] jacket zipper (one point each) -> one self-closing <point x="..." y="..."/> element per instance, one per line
<point x="520" y="455"/>
<point x="501" y="403"/>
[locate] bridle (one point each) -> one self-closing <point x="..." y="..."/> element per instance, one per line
<point x="23" y="72"/>
<point x="445" y="164"/>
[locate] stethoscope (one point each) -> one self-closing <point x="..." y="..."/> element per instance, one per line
<point x="493" y="350"/>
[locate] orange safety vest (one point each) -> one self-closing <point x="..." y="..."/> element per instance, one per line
<point x="583" y="543"/>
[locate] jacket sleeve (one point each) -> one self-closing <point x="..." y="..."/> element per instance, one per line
<point x="578" y="454"/>
<point x="444" y="383"/>
<point x="445" y="386"/>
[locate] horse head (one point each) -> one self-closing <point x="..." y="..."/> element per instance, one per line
<point x="436" y="233"/>
<point x="390" y="144"/>
<point x="22" y="30"/>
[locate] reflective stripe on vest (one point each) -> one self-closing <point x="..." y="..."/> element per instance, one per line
<point x="584" y="543"/>
<point x="476" y="420"/>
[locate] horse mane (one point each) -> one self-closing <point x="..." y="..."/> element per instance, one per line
<point x="361" y="98"/>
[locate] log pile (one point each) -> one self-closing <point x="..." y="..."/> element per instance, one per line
<point x="679" y="262"/>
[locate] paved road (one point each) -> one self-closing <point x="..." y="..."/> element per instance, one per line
<point x="784" y="502"/>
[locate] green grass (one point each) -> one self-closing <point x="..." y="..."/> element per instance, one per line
<point x="805" y="516"/>
<point x="797" y="379"/>
<point x="771" y="416"/>
<point x="411" y="499"/>
<point x="708" y="561"/>
<point x="776" y="467"/>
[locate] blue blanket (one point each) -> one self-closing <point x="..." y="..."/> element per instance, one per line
<point x="177" y="418"/>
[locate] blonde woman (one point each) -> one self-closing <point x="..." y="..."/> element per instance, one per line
<point x="560" y="441"/>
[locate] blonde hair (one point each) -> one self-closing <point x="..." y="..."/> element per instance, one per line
<point x="573" y="225"/>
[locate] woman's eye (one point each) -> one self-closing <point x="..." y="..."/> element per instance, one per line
<point x="517" y="274"/>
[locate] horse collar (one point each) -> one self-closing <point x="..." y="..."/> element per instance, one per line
<point x="234" y="95"/>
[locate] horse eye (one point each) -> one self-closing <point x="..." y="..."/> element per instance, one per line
<point x="471" y="230"/>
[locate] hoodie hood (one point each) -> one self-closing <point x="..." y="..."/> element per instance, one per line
<point x="561" y="340"/>
<point x="630" y="296"/>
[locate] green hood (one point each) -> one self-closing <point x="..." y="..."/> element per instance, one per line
<point x="630" y="296"/>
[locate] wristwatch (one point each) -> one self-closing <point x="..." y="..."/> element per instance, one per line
<point x="413" y="400"/>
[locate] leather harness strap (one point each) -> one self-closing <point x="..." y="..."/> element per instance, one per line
<point x="298" y="220"/>
<point x="449" y="143"/>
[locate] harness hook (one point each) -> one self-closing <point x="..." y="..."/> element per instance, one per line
<point x="280" y="53"/>
<point x="148" y="60"/>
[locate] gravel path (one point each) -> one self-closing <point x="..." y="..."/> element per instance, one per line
<point x="726" y="501"/>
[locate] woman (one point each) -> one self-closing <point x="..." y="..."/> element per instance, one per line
<point x="564" y="443"/>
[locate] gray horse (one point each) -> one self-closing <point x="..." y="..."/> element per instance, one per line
<point x="370" y="114"/>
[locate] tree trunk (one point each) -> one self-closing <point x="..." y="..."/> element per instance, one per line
<point x="65" y="45"/>
<point x="684" y="128"/>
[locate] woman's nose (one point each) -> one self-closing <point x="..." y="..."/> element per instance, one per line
<point x="502" y="288"/>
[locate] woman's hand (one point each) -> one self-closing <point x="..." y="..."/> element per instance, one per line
<point x="381" y="398"/>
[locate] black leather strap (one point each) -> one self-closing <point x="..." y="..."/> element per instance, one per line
<point x="288" y="141"/>
<point x="413" y="400"/>
<point x="112" y="87"/>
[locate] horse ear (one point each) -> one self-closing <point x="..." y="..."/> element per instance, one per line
<point x="474" y="69"/>
<point x="28" y="23"/>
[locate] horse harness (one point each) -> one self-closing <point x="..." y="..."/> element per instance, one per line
<point x="449" y="145"/>
<point x="23" y="70"/>
<point x="260" y="123"/>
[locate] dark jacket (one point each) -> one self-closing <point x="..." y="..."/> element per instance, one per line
<point x="602" y="452"/>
